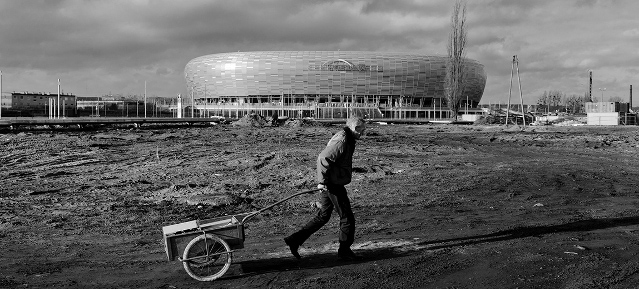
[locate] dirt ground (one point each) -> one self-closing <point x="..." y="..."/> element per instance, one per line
<point x="437" y="206"/>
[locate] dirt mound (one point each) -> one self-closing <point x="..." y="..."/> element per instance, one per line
<point x="251" y="120"/>
<point x="302" y="122"/>
<point x="256" y="120"/>
<point x="489" y="119"/>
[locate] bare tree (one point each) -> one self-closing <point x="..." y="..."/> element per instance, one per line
<point x="543" y="102"/>
<point x="555" y="97"/>
<point x="454" y="80"/>
<point x="576" y="102"/>
<point x="551" y="100"/>
<point x="615" y="99"/>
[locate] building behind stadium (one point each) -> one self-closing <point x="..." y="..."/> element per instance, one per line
<point x="30" y="104"/>
<point x="327" y="84"/>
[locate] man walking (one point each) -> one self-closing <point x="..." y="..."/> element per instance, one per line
<point x="334" y="170"/>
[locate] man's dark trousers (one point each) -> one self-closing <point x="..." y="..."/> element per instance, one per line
<point x="335" y="197"/>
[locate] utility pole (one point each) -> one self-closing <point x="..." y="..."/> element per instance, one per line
<point x="521" y="96"/>
<point x="145" y="99"/>
<point x="205" y="112"/>
<point x="515" y="63"/>
<point x="0" y="93"/>
<point x="602" y="95"/>
<point x="58" y="104"/>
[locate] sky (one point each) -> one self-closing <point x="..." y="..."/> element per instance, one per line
<point x="101" y="47"/>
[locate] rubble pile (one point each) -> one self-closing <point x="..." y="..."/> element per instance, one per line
<point x="251" y="120"/>
<point x="302" y="122"/>
<point x="499" y="117"/>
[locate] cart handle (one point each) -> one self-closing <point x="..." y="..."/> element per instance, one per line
<point x="277" y="203"/>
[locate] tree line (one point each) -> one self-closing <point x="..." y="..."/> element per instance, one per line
<point x="557" y="101"/>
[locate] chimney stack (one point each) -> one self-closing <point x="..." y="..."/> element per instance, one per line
<point x="590" y="86"/>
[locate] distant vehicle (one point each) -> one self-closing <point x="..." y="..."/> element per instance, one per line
<point x="94" y="115"/>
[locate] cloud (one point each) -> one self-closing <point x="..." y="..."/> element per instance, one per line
<point x="408" y="7"/>
<point x="115" y="46"/>
<point x="163" y="71"/>
<point x="631" y="33"/>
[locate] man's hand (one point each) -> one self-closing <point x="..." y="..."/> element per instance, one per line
<point x="321" y="187"/>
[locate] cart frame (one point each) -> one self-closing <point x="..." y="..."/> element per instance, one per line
<point x="215" y="238"/>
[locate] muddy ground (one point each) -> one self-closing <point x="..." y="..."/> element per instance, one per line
<point x="437" y="206"/>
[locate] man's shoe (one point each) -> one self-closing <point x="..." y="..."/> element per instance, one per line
<point x="347" y="255"/>
<point x="294" y="247"/>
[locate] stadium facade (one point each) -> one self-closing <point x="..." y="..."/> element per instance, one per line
<point x="326" y="84"/>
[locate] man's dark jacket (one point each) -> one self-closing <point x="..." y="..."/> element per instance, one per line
<point x="335" y="162"/>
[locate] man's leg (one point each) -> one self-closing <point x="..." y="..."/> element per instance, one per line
<point x="339" y="197"/>
<point x="295" y="240"/>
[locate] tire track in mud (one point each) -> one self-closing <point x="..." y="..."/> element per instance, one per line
<point x="50" y="165"/>
<point x="34" y="169"/>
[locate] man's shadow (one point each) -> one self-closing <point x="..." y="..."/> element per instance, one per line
<point x="327" y="260"/>
<point x="533" y="231"/>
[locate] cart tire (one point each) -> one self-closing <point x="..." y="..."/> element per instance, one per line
<point x="207" y="268"/>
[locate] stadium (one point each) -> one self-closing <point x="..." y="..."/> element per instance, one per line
<point x="326" y="84"/>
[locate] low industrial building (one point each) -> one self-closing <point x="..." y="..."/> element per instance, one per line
<point x="610" y="113"/>
<point x="40" y="104"/>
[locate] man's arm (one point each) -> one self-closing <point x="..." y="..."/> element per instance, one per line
<point x="333" y="150"/>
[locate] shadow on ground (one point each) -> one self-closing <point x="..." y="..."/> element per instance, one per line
<point x="317" y="261"/>
<point x="328" y="260"/>
<point x="534" y="231"/>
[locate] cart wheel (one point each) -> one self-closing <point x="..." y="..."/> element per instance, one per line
<point x="210" y="257"/>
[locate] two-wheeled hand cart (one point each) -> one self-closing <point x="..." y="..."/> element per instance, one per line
<point x="207" y="245"/>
